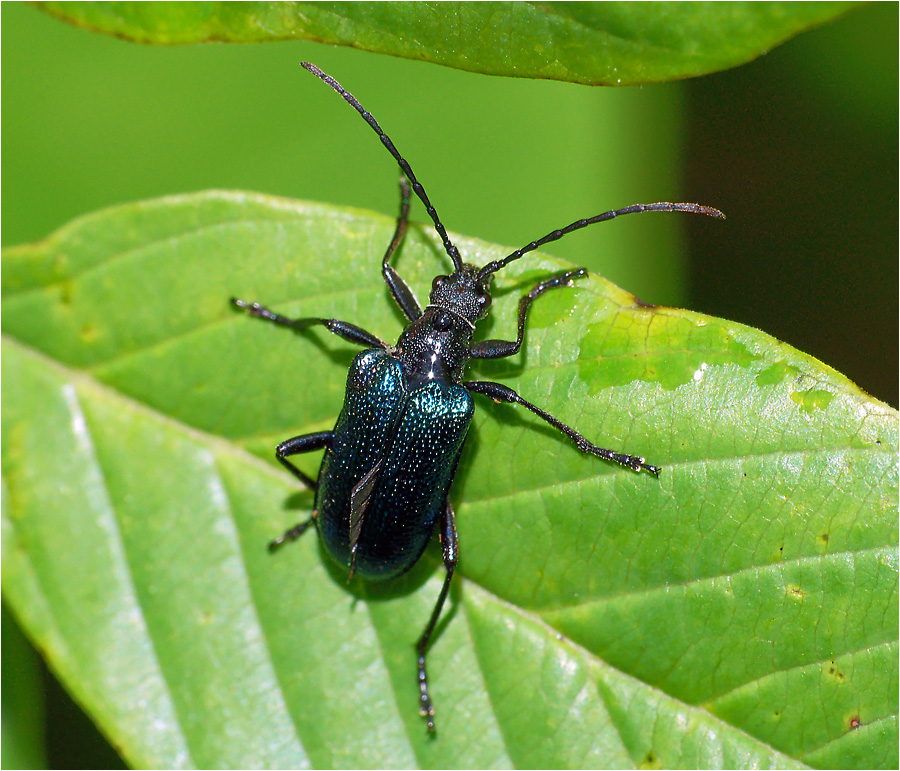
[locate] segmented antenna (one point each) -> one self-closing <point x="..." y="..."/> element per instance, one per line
<point x="689" y="208"/>
<point x="449" y="247"/>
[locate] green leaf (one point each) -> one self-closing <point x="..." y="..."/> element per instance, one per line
<point x="741" y="611"/>
<point x="595" y="43"/>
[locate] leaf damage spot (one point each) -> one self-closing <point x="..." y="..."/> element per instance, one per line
<point x="813" y="400"/>
<point x="796" y="592"/>
<point x="774" y="374"/>
<point x="637" y="302"/>
<point x="666" y="347"/>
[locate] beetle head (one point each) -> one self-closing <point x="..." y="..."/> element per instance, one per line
<point x="463" y="292"/>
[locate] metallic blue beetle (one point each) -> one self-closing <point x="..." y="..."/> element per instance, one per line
<point x="389" y="462"/>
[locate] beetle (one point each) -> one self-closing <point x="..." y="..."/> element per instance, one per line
<point x="383" y="485"/>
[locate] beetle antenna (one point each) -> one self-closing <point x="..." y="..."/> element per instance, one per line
<point x="689" y="208"/>
<point x="449" y="246"/>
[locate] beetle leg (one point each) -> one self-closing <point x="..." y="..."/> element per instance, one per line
<point x="296" y="446"/>
<point x="399" y="289"/>
<point x="501" y="393"/>
<point x="344" y="329"/>
<point x="293" y="533"/>
<point x="450" y="547"/>
<point x="497" y="349"/>
<point x="299" y="445"/>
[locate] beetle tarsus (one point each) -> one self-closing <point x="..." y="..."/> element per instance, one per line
<point x="293" y="534"/>
<point x="426" y="709"/>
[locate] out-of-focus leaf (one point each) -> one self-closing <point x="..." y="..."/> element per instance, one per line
<point x="596" y="43"/>
<point x="741" y="611"/>
<point x="23" y="700"/>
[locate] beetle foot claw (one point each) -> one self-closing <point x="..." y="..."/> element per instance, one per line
<point x="427" y="711"/>
<point x="635" y="463"/>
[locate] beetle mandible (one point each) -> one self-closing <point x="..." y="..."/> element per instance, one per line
<point x="390" y="460"/>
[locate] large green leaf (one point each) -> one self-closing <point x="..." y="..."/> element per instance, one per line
<point x="597" y="43"/>
<point x="740" y="611"/>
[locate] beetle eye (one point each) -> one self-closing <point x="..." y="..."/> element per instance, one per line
<point x="438" y="282"/>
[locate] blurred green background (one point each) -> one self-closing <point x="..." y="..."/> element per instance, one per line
<point x="799" y="148"/>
